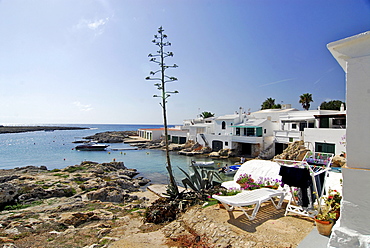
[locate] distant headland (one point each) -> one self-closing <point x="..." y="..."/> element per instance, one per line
<point x="22" y="129"/>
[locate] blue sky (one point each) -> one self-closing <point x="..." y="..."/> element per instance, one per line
<point x="85" y="61"/>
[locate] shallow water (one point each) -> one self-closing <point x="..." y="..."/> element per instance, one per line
<point x="55" y="150"/>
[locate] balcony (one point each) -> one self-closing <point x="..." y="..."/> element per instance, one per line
<point x="247" y="139"/>
<point x="284" y="136"/>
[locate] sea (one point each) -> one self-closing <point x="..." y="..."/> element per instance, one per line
<point x="55" y="150"/>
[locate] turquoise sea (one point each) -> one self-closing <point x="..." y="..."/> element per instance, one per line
<point x="55" y="150"/>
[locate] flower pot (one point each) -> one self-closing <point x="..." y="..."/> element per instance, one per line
<point x="242" y="185"/>
<point x="220" y="205"/>
<point x="271" y="186"/>
<point x="324" y="227"/>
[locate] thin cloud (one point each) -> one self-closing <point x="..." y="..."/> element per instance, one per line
<point x="277" y="82"/>
<point x="328" y="71"/>
<point x="95" y="25"/>
<point x="83" y="107"/>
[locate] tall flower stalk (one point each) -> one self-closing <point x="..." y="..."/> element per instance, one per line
<point x="162" y="79"/>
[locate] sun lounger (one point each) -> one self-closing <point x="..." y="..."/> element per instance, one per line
<point x="253" y="197"/>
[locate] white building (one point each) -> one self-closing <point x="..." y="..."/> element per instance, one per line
<point x="244" y="133"/>
<point x="176" y="135"/>
<point x="352" y="229"/>
<point x="269" y="131"/>
<point x="321" y="130"/>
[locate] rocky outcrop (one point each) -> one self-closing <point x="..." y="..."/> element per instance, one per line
<point x="22" y="129"/>
<point x="105" y="182"/>
<point x="338" y="161"/>
<point x="295" y="151"/>
<point x="112" y="137"/>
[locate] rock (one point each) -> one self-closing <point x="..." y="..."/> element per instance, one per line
<point x="214" y="154"/>
<point x="8" y="193"/>
<point x="6" y="240"/>
<point x="295" y="151"/>
<point x="338" y="161"/>
<point x="107" y="194"/>
<point x="5" y="179"/>
<point x="77" y="219"/>
<point x="112" y="137"/>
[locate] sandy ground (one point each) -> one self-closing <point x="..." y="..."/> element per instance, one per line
<point x="270" y="229"/>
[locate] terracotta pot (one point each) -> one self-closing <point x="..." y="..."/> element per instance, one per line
<point x="271" y="186"/>
<point x="324" y="227"/>
<point x="242" y="185"/>
<point x="220" y="205"/>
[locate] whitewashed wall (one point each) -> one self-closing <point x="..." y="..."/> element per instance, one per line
<point x="326" y="135"/>
<point x="353" y="229"/>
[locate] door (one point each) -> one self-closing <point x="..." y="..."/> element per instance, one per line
<point x="217" y="145"/>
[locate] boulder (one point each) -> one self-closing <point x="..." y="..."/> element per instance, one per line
<point x="214" y="154"/>
<point x="338" y="161"/>
<point x="295" y="151"/>
<point x="108" y="194"/>
<point x="8" y="193"/>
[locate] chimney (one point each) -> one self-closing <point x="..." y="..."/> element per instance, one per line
<point x="342" y="107"/>
<point x="240" y="114"/>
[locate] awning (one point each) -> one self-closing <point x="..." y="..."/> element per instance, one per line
<point x="247" y="126"/>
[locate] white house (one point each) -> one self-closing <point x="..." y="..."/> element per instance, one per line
<point x="176" y="135"/>
<point x="321" y="130"/>
<point x="241" y="132"/>
<point x="352" y="229"/>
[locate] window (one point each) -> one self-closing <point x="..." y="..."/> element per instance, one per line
<point x="302" y="126"/>
<point x="294" y="126"/>
<point x="237" y="131"/>
<point x="226" y="143"/>
<point x="250" y="131"/>
<point x="339" y="122"/>
<point x="324" y="122"/>
<point x="324" y="147"/>
<point x="264" y="131"/>
<point x="223" y="124"/>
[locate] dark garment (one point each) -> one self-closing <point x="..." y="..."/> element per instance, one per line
<point x="319" y="179"/>
<point x="297" y="177"/>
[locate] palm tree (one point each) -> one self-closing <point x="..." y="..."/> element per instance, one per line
<point x="305" y="100"/>
<point x="269" y="103"/>
<point x="206" y="114"/>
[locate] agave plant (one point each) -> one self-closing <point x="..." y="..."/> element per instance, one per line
<point x="202" y="179"/>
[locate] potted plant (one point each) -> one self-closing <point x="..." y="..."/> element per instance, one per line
<point x="334" y="200"/>
<point x="325" y="220"/>
<point x="227" y="192"/>
<point x="269" y="183"/>
<point x="328" y="213"/>
<point x="246" y="182"/>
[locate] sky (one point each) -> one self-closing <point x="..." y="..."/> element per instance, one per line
<point x="85" y="61"/>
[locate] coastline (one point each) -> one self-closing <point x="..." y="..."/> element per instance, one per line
<point x="86" y="206"/>
<point x="23" y="129"/>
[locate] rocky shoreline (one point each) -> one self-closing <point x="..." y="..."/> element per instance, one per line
<point x="39" y="202"/>
<point x="103" y="205"/>
<point x="23" y="129"/>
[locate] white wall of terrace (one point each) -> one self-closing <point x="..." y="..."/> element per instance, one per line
<point x="353" y="229"/>
<point x="283" y="136"/>
<point x="248" y="139"/>
<point x="326" y="135"/>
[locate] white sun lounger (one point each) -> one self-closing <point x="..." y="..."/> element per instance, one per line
<point x="253" y="197"/>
